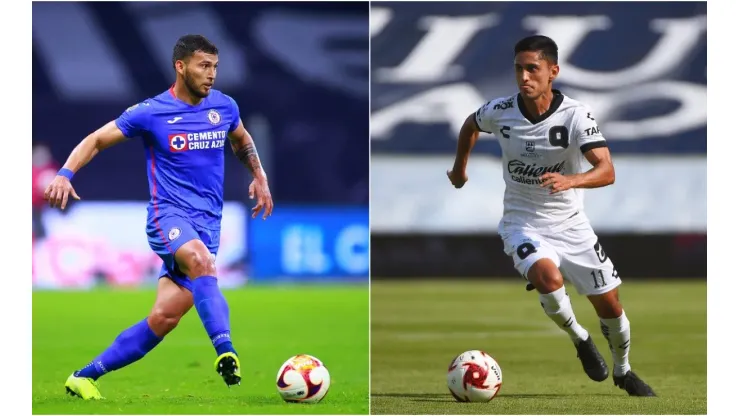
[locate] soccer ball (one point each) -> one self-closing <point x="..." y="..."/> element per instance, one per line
<point x="474" y="376"/>
<point x="303" y="378"/>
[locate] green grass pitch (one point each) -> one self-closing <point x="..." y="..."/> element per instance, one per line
<point x="419" y="327"/>
<point x="269" y="325"/>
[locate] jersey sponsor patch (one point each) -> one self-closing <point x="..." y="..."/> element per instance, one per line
<point x="178" y="142"/>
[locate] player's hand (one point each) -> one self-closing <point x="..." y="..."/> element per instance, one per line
<point x="259" y="188"/>
<point x="557" y="182"/>
<point x="59" y="191"/>
<point x="457" y="178"/>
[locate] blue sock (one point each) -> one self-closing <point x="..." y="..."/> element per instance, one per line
<point x="130" y="346"/>
<point x="214" y="312"/>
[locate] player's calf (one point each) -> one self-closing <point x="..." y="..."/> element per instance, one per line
<point x="162" y="321"/>
<point x="172" y="303"/>
<point x="197" y="263"/>
<point x="548" y="281"/>
<point x="130" y="346"/>
<point x="615" y="327"/>
<point x="135" y="342"/>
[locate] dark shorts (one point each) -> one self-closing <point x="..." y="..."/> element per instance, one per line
<point x="170" y="232"/>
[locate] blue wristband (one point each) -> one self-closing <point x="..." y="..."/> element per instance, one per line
<point x="67" y="173"/>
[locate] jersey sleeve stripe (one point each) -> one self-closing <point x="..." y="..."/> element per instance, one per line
<point x="593" y="145"/>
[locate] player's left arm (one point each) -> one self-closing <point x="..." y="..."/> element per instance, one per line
<point x="590" y="141"/>
<point x="243" y="146"/>
<point x="245" y="150"/>
<point x="602" y="172"/>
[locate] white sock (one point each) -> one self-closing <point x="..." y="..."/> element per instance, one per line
<point x="617" y="332"/>
<point x="557" y="306"/>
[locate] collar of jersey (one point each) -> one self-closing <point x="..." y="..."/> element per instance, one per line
<point x="183" y="103"/>
<point x="557" y="99"/>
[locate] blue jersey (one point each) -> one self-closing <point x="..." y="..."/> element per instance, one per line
<point x="184" y="153"/>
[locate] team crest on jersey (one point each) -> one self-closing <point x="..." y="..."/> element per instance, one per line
<point x="178" y="142"/>
<point x="214" y="117"/>
<point x="174" y="233"/>
<point x="529" y="150"/>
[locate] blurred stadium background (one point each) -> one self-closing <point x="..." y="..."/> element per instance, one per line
<point x="299" y="74"/>
<point x="642" y="68"/>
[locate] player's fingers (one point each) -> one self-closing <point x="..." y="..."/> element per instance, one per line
<point x="257" y="208"/>
<point x="74" y="194"/>
<point x="52" y="198"/>
<point x="58" y="198"/>
<point x="65" y="198"/>
<point x="268" y="208"/>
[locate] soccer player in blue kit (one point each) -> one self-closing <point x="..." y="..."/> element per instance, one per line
<point x="184" y="131"/>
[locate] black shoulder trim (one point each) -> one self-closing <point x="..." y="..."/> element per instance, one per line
<point x="593" y="145"/>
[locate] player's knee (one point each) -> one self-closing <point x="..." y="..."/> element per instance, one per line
<point x="201" y="264"/>
<point x="163" y="321"/>
<point x="545" y="276"/>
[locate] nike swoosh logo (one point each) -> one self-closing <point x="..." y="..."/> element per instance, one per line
<point x="174" y="120"/>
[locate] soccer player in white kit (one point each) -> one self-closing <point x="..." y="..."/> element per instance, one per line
<point x="543" y="136"/>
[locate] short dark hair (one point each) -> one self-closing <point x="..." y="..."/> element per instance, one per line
<point x="187" y="45"/>
<point x="538" y="43"/>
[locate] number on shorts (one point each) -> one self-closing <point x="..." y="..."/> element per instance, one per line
<point x="597" y="284"/>
<point x="600" y="253"/>
<point x="524" y="250"/>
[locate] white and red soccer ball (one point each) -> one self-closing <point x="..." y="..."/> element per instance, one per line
<point x="474" y="376"/>
<point x="303" y="378"/>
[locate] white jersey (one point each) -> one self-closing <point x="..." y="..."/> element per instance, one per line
<point x="532" y="146"/>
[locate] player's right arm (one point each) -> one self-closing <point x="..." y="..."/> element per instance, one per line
<point x="480" y="121"/>
<point x="129" y="124"/>
<point x="59" y="190"/>
<point x="97" y="141"/>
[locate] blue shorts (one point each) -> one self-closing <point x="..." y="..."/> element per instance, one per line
<point x="170" y="232"/>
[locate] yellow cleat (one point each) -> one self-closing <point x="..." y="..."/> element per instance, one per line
<point x="227" y="366"/>
<point x="83" y="387"/>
